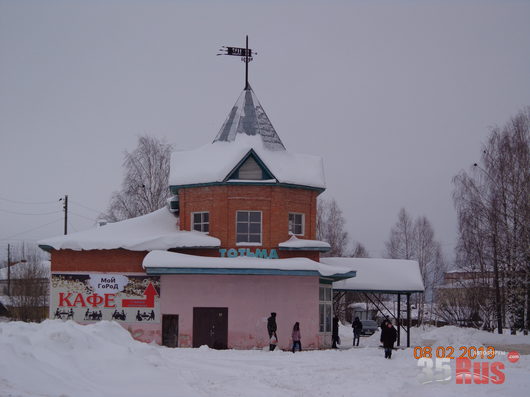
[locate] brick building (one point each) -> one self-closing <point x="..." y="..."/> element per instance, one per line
<point x="237" y="242"/>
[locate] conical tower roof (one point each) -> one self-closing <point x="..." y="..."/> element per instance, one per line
<point x="248" y="117"/>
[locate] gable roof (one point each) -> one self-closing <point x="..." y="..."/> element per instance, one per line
<point x="247" y="117"/>
<point x="214" y="162"/>
<point x="250" y="156"/>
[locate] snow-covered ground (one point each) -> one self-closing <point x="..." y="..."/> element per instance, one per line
<point x="63" y="359"/>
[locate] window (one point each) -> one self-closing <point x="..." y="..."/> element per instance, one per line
<point x="325" y="308"/>
<point x="200" y="221"/>
<point x="248" y="227"/>
<point x="250" y="170"/>
<point x="296" y="224"/>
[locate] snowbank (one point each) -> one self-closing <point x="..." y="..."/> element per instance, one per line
<point x="154" y="231"/>
<point x="66" y="359"/>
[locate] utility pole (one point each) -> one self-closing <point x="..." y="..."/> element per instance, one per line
<point x="65" y="208"/>
<point x="8" y="269"/>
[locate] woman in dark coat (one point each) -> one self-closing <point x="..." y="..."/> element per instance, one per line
<point x="388" y="338"/>
<point x="335" y="333"/>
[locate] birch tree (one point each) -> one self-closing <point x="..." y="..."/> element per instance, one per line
<point x="145" y="184"/>
<point x="493" y="208"/>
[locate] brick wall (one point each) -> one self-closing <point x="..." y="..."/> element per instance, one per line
<point x="107" y="261"/>
<point x="221" y="202"/>
<point x="274" y="202"/>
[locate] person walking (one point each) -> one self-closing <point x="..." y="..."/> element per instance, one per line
<point x="388" y="337"/>
<point x="296" y="337"/>
<point x="271" y="329"/>
<point x="335" y="333"/>
<point x="357" y="329"/>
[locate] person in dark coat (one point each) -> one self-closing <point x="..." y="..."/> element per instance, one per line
<point x="335" y="333"/>
<point x="271" y="328"/>
<point x="296" y="336"/>
<point x="388" y="338"/>
<point x="357" y="329"/>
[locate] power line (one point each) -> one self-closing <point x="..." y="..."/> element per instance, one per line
<point x="27" y="213"/>
<point x="82" y="216"/>
<point x="85" y="207"/>
<point x="30" y="230"/>
<point x="28" y="202"/>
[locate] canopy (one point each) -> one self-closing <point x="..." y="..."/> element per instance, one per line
<point x="379" y="275"/>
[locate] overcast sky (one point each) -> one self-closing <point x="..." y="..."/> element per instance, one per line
<point x="397" y="97"/>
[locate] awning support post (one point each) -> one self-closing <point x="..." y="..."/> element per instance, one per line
<point x="398" y="319"/>
<point x="408" y="320"/>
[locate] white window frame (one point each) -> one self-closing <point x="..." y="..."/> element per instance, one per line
<point x="325" y="303"/>
<point x="303" y="223"/>
<point x="201" y="223"/>
<point x="260" y="229"/>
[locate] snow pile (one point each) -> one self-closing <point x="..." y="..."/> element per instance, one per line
<point x="165" y="259"/>
<point x="299" y="243"/>
<point x="66" y="359"/>
<point x="451" y="336"/>
<point x="190" y="167"/>
<point x="375" y="274"/>
<point x="154" y="231"/>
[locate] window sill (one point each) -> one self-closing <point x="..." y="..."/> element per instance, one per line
<point x="249" y="244"/>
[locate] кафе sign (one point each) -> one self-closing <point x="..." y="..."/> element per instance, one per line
<point x="95" y="297"/>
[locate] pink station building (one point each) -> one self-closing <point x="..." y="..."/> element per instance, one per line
<point x="236" y="242"/>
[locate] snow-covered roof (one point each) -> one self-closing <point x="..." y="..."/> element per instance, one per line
<point x="164" y="262"/>
<point x="154" y="231"/>
<point x="214" y="162"/>
<point x="248" y="117"/>
<point x="246" y="128"/>
<point x="18" y="270"/>
<point x="298" y="243"/>
<point x="379" y="275"/>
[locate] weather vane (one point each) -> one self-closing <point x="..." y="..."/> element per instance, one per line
<point x="246" y="55"/>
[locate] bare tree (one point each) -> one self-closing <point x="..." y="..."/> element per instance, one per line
<point x="494" y="219"/>
<point x="145" y="185"/>
<point x="415" y="240"/>
<point x="401" y="244"/>
<point x="359" y="251"/>
<point x="330" y="227"/>
<point x="343" y="300"/>
<point x="30" y="279"/>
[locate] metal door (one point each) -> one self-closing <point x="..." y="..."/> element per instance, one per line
<point x="210" y="327"/>
<point x="170" y="330"/>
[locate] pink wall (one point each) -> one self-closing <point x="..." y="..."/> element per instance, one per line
<point x="250" y="300"/>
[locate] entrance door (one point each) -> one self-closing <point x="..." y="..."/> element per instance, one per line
<point x="170" y="330"/>
<point x="210" y="327"/>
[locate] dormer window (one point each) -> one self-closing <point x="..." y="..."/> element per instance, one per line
<point x="250" y="170"/>
<point x="200" y="221"/>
